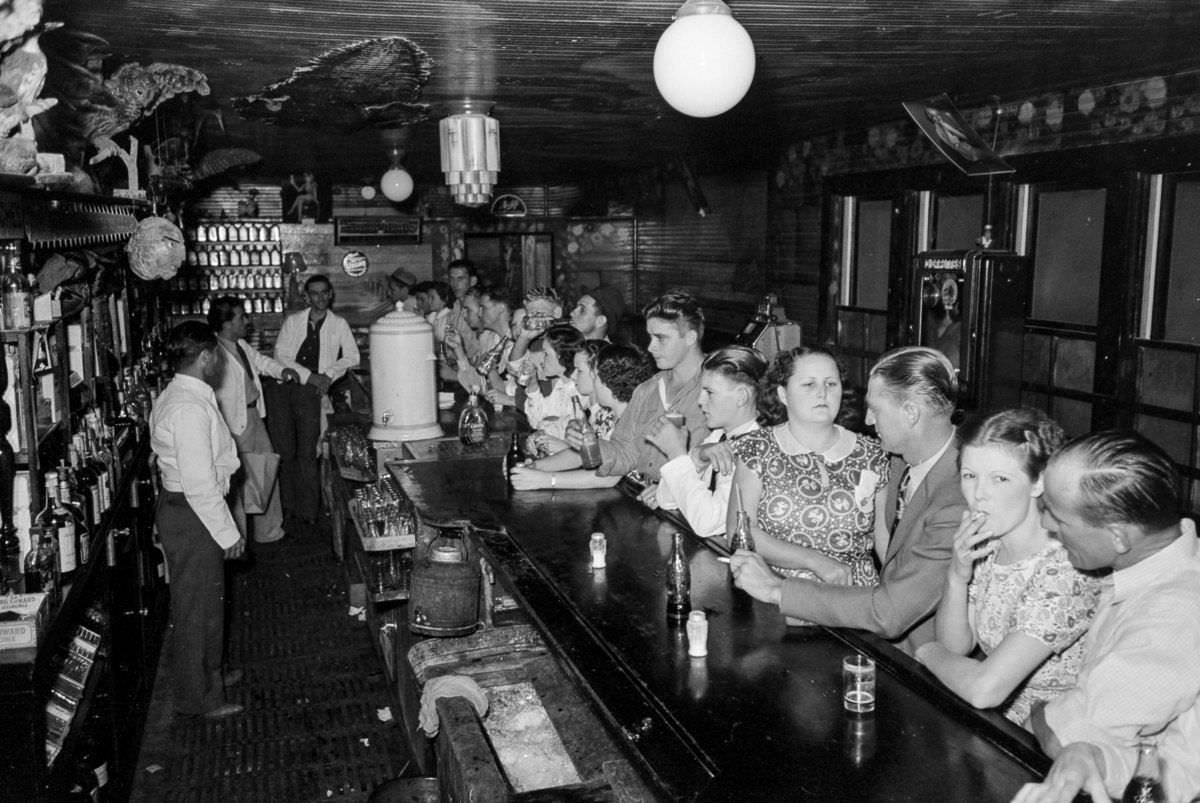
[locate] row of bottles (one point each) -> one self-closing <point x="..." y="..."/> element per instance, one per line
<point x="76" y="497"/>
<point x="236" y="232"/>
<point x="199" y="306"/>
<point x="235" y="256"/>
<point x="227" y="280"/>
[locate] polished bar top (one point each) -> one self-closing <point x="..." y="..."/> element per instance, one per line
<point x="761" y="716"/>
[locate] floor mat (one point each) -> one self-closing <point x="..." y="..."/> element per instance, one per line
<point x="313" y="689"/>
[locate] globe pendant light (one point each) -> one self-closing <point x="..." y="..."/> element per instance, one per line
<point x="396" y="183"/>
<point x="470" y="142"/>
<point x="704" y="62"/>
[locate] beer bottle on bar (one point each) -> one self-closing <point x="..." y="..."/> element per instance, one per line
<point x="513" y="458"/>
<point x="589" y="448"/>
<point x="741" y="537"/>
<point x="679" y="582"/>
<point x="1146" y="784"/>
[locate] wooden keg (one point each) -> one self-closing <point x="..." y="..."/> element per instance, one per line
<point x="444" y="595"/>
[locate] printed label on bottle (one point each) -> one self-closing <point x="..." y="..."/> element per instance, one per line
<point x="66" y="548"/>
<point x="18" y="310"/>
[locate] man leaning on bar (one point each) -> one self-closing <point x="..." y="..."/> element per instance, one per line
<point x="911" y="395"/>
<point x="1112" y="499"/>
<point x="675" y="324"/>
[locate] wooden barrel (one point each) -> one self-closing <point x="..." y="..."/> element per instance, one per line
<point x="444" y="595"/>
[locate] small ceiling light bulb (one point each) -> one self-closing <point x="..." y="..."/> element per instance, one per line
<point x="397" y="184"/>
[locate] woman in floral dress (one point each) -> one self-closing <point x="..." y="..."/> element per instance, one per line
<point x="1010" y="590"/>
<point x="812" y="490"/>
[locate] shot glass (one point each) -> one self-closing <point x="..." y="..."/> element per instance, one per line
<point x="676" y="418"/>
<point x="858" y="683"/>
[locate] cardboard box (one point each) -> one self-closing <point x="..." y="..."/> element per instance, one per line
<point x="22" y="620"/>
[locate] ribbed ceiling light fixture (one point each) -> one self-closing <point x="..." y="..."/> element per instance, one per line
<point x="704" y="62"/>
<point x="470" y="141"/>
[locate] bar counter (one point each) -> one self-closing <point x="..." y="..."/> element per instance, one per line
<point x="761" y="716"/>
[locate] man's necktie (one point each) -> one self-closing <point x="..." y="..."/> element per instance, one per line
<point x="712" y="481"/>
<point x="901" y="496"/>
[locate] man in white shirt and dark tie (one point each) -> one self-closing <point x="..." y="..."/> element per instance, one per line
<point x="196" y="458"/>
<point x="319" y="346"/>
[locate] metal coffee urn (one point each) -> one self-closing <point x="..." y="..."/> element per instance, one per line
<point x="403" y="379"/>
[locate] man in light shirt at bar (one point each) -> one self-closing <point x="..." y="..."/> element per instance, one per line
<point x="675" y="324"/>
<point x="1112" y="499"/>
<point x="196" y="458"/>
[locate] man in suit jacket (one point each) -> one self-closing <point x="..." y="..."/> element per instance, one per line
<point x="240" y="397"/>
<point x="910" y="399"/>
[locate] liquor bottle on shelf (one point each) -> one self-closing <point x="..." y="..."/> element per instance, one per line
<point x="1146" y="784"/>
<point x="589" y="448"/>
<point x="55" y="519"/>
<point x="33" y="578"/>
<point x="87" y="483"/>
<point x="46" y="563"/>
<point x="11" y="579"/>
<point x="10" y="545"/>
<point x="94" y="459"/>
<point x="82" y="531"/>
<point x="679" y="581"/>
<point x="15" y="289"/>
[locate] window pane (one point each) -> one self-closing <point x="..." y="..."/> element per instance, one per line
<point x="1166" y="378"/>
<point x="871" y="250"/>
<point x="1066" y="260"/>
<point x="1182" y="316"/>
<point x="958" y="222"/>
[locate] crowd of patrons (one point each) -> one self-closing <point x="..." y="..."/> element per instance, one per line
<point x="1055" y="580"/>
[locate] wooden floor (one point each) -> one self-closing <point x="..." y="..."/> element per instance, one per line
<point x="317" y="720"/>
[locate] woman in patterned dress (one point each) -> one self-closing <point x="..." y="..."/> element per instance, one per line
<point x="812" y="490"/>
<point x="1010" y="590"/>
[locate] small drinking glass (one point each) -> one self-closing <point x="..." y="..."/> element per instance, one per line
<point x="858" y="683"/>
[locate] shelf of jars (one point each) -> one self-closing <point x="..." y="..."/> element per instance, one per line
<point x="242" y="232"/>
<point x="191" y="291"/>
<point x="234" y="245"/>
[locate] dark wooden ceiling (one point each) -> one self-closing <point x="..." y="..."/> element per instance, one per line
<point x="572" y="85"/>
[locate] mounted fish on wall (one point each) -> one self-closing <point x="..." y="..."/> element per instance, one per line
<point x="374" y="82"/>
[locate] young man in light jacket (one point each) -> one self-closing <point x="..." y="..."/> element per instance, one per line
<point x="319" y="346"/>
<point x="240" y="397"/>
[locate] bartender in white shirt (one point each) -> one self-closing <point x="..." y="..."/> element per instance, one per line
<point x="319" y="346"/>
<point x="196" y="458"/>
<point x="698" y="483"/>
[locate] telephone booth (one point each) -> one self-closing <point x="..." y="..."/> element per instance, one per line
<point x="971" y="306"/>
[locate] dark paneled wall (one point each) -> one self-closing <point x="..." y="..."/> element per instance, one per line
<point x="720" y="257"/>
